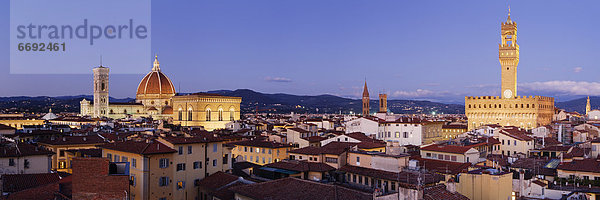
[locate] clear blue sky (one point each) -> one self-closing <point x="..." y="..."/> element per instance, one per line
<point x="438" y="50"/>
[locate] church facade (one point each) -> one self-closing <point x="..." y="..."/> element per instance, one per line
<point x="509" y="109"/>
<point x="156" y="97"/>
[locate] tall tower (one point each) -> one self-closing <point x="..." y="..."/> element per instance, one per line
<point x="588" y="106"/>
<point x="509" y="57"/>
<point x="365" y="101"/>
<point x="100" y="91"/>
<point x="383" y="103"/>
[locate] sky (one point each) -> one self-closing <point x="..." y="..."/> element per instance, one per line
<point x="435" y="50"/>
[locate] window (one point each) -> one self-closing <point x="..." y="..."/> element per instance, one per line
<point x="11" y="162"/>
<point x="124" y="159"/>
<point x="180" y="151"/>
<point x="117" y="158"/>
<point x="453" y="158"/>
<point x="515" y="142"/>
<point x="215" y="161"/>
<point x="354" y="178"/>
<point x="163" y="181"/>
<point x="190" y="114"/>
<point x="109" y="156"/>
<point x="393" y="186"/>
<point x="133" y="162"/>
<point x="360" y="179"/>
<point x="181" y="167"/>
<point x="215" y="147"/>
<point x="189" y="149"/>
<point x="269" y="151"/>
<point x="220" y="115"/>
<point x="207" y="114"/>
<point x="226" y="158"/>
<point x="26" y="164"/>
<point x="245" y="149"/>
<point x="263" y="150"/>
<point x="132" y="180"/>
<point x="197" y="165"/>
<point x="180" y="185"/>
<point x="180" y="115"/>
<point x="163" y="163"/>
<point x="331" y="160"/>
<point x="428" y="155"/>
<point x="231" y="115"/>
<point x="405" y="134"/>
<point x="61" y="165"/>
<point x="397" y="134"/>
<point x="61" y="153"/>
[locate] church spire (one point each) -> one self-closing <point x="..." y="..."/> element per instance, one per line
<point x="156" y="66"/>
<point x="365" y="90"/>
<point x="508" y="20"/>
<point x="588" y="106"/>
<point x="365" y="101"/>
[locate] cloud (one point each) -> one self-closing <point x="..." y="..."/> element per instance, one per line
<point x="563" y="87"/>
<point x="577" y="69"/>
<point x="278" y="79"/>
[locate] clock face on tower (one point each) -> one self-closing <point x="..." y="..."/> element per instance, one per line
<point x="507" y="94"/>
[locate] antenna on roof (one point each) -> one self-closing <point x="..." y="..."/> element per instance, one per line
<point x="100" y="60"/>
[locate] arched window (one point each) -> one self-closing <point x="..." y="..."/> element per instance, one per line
<point x="207" y="114"/>
<point x="231" y="114"/>
<point x="125" y="111"/>
<point x="220" y="114"/>
<point x="180" y="115"/>
<point x="190" y="114"/>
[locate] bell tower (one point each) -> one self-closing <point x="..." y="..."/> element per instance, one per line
<point x="508" y="52"/>
<point x="365" y="101"/>
<point x="383" y="103"/>
<point x="100" y="91"/>
<point x="588" y="106"/>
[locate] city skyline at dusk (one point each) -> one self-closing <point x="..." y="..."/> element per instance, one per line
<point x="436" y="50"/>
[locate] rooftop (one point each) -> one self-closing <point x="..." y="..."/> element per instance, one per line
<point x="139" y="147"/>
<point x="293" y="188"/>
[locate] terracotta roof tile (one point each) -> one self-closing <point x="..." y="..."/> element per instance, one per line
<point x="293" y="188"/>
<point x="446" y="148"/>
<point x="18" y="182"/>
<point x="139" y="147"/>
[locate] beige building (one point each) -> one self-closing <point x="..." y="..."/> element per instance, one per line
<point x="156" y="97"/>
<point x="509" y="109"/>
<point x="514" y="142"/>
<point x="169" y="167"/>
<point x="461" y="154"/>
<point x="60" y="145"/>
<point x="487" y="184"/>
<point x="211" y="111"/>
<point x="19" y="120"/>
<point x="23" y="158"/>
<point x="260" y="152"/>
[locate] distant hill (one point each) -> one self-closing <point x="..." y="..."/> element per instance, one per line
<point x="42" y="104"/>
<point x="578" y="105"/>
<point x="285" y="103"/>
<point x="274" y="103"/>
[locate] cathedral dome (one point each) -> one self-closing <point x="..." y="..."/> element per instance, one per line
<point x="156" y="83"/>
